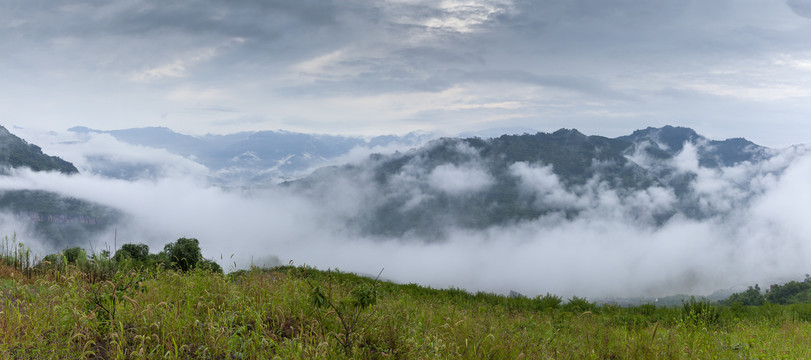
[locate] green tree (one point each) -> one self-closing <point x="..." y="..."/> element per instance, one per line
<point x="139" y="253"/>
<point x="787" y="293"/>
<point x="183" y="254"/>
<point x="209" y="265"/>
<point x="750" y="297"/>
<point x="75" y="256"/>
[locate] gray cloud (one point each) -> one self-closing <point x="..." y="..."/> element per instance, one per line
<point x="374" y="62"/>
<point x="800" y="7"/>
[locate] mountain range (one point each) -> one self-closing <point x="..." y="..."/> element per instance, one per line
<point x="476" y="183"/>
<point x="437" y="185"/>
<point x="249" y="157"/>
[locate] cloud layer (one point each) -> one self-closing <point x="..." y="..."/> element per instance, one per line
<point x="395" y="66"/>
<point x="614" y="247"/>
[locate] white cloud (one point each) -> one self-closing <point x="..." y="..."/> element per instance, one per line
<point x="459" y="180"/>
<point x="543" y="182"/>
<point x="321" y="63"/>
<point x="179" y="67"/>
<point x="455" y="15"/>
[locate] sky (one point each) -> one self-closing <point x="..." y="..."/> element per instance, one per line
<point x="727" y="68"/>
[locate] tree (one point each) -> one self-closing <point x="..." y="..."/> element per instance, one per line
<point x="787" y="293"/>
<point x="184" y="254"/>
<point x="751" y="297"/>
<point x="139" y="253"/>
<point x="75" y="256"/>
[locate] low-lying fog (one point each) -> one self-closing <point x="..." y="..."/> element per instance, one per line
<point x="763" y="234"/>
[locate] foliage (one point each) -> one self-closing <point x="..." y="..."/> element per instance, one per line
<point x="751" y="297"/>
<point x="183" y="254"/>
<point x="700" y="312"/>
<point x="209" y="265"/>
<point x="58" y="219"/>
<point x="579" y="304"/>
<point x="75" y="256"/>
<point x="304" y="313"/>
<point x="16" y="153"/>
<point x="576" y="161"/>
<point x="348" y="309"/>
<point x="136" y="252"/>
<point x="15" y="254"/>
<point x="790" y="293"/>
<point x="548" y="301"/>
<point x="278" y="313"/>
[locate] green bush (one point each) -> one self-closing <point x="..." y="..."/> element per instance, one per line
<point x="139" y="253"/>
<point x="183" y="254"/>
<point x="547" y="302"/>
<point x="210" y="265"/>
<point x="75" y="256"/>
<point x="700" y="312"/>
<point x="579" y="304"/>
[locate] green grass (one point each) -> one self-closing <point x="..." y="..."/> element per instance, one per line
<point x="70" y="313"/>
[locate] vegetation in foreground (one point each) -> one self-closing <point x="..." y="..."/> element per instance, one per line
<point x="136" y="305"/>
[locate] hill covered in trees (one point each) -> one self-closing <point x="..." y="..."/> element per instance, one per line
<point x="17" y="153"/>
<point x="650" y="176"/>
<point x="58" y="219"/>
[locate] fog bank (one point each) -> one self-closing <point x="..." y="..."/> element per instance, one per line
<point x="758" y="231"/>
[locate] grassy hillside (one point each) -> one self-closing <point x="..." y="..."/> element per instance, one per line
<point x="107" y="309"/>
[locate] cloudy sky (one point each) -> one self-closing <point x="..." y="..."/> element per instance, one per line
<point x="727" y="68"/>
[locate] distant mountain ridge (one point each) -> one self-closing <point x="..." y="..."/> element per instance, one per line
<point x="255" y="155"/>
<point x="670" y="140"/>
<point x="515" y="178"/>
<point x="470" y="183"/>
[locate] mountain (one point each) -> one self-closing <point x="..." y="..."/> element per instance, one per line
<point x="477" y="183"/>
<point x="253" y="156"/>
<point x="16" y="153"/>
<point x="59" y="220"/>
<point x="669" y="141"/>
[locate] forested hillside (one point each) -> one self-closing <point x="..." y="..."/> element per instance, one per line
<point x="477" y="183"/>
<point x="57" y="219"/>
<point x="17" y="153"/>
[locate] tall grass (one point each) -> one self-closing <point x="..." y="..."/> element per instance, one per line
<point x="15" y="254"/>
<point x="72" y="312"/>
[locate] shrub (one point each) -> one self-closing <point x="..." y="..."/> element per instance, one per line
<point x="75" y="256"/>
<point x="210" y="265"/>
<point x="139" y="253"/>
<point x="700" y="312"/>
<point x="547" y="302"/>
<point x="579" y="304"/>
<point x="183" y="254"/>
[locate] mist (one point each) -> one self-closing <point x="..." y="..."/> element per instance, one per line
<point x="757" y="231"/>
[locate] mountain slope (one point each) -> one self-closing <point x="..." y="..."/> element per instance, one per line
<point x="669" y="141"/>
<point x="478" y="183"/>
<point x="60" y="221"/>
<point x="17" y="153"/>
